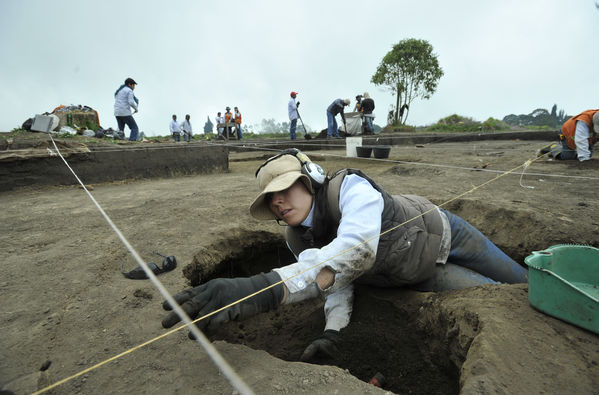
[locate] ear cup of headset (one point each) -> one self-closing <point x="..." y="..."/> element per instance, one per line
<point x="315" y="173"/>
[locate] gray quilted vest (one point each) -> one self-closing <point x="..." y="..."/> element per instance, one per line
<point x="406" y="254"/>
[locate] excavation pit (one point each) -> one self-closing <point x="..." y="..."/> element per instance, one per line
<point x="383" y="336"/>
<point x="393" y="332"/>
<point x="49" y="232"/>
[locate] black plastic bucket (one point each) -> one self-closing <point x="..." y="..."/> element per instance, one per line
<point x="363" y="152"/>
<point x="381" y="152"/>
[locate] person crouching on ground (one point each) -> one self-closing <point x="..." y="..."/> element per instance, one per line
<point x="577" y="137"/>
<point x="338" y="221"/>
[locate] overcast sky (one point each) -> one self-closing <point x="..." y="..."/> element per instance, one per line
<point x="197" y="57"/>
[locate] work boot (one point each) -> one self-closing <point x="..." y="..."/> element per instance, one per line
<point x="545" y="150"/>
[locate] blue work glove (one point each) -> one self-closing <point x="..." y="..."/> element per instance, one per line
<point x="325" y="345"/>
<point x="214" y="294"/>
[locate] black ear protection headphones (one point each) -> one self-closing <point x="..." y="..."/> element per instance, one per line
<point x="314" y="172"/>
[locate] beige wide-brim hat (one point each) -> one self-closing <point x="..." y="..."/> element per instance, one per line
<point x="274" y="176"/>
<point x="596" y="122"/>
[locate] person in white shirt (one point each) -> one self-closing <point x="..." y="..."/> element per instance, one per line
<point x="124" y="100"/>
<point x="175" y="129"/>
<point x="293" y="114"/>
<point x="186" y="129"/>
<point x="345" y="229"/>
<point x="219" y="119"/>
<point x="577" y="137"/>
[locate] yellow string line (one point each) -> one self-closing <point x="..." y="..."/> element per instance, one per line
<point x="275" y="284"/>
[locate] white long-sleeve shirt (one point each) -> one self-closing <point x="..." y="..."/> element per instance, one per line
<point x="359" y="204"/>
<point x="186" y="126"/>
<point x="292" y="109"/>
<point x="349" y="255"/>
<point x="123" y="101"/>
<point x="174" y="127"/>
<point x="581" y="139"/>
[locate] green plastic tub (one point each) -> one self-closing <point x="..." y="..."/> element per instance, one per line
<point x="563" y="281"/>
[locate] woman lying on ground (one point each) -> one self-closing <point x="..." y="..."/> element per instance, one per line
<point x="345" y="229"/>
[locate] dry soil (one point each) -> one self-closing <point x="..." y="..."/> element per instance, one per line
<point x="66" y="306"/>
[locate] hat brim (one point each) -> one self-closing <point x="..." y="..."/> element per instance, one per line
<point x="259" y="208"/>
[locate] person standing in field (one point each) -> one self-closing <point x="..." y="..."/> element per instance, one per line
<point x="219" y="120"/>
<point x="293" y="114"/>
<point x="335" y="108"/>
<point x="186" y="129"/>
<point x="124" y="100"/>
<point x="238" y="123"/>
<point x="367" y="106"/>
<point x="175" y="129"/>
<point x="228" y="120"/>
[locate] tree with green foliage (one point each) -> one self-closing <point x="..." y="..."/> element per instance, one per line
<point x="410" y="70"/>
<point x="538" y="117"/>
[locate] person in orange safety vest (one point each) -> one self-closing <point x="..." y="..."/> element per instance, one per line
<point x="577" y="137"/>
<point x="228" y="118"/>
<point x="238" y="123"/>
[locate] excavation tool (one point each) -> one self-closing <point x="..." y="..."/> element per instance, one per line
<point x="300" y="118"/>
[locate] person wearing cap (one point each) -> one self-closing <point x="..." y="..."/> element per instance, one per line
<point x="228" y="119"/>
<point x="293" y="114"/>
<point x="577" y="137"/>
<point x="366" y="108"/>
<point x="335" y="108"/>
<point x="345" y="229"/>
<point x="237" y="118"/>
<point x="124" y="100"/>
<point x="175" y="129"/>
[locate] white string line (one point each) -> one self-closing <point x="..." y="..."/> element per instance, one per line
<point x="218" y="360"/>
<point x="526" y="164"/>
<point x="440" y="165"/>
<point x="402" y="147"/>
<point x="473" y="168"/>
<point x="118" y="233"/>
<point x="172" y="145"/>
<point x="461" y="135"/>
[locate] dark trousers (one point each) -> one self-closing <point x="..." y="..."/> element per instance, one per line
<point x="129" y="121"/>
<point x="292" y="128"/>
